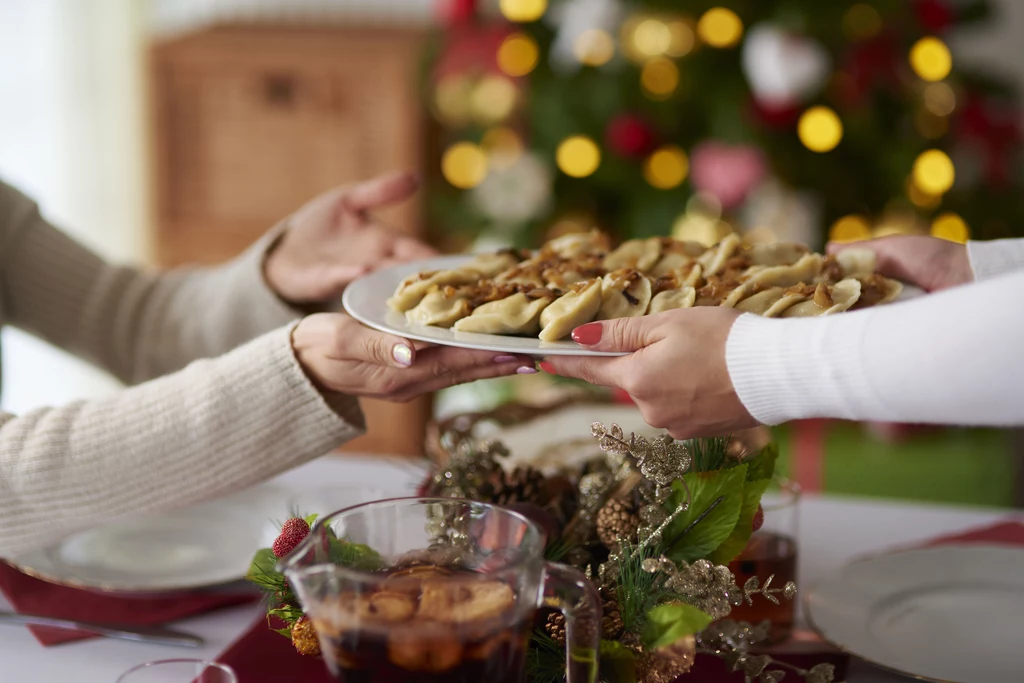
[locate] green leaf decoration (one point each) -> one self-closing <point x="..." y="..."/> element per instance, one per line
<point x="711" y="531"/>
<point x="740" y="536"/>
<point x="354" y="555"/>
<point x="666" y="624"/>
<point x="310" y="519"/>
<point x="762" y="465"/>
<point x="617" y="662"/>
<point x="262" y="567"/>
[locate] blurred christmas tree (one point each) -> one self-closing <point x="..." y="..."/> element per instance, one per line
<point x="783" y="119"/>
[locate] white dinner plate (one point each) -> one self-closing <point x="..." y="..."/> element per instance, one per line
<point x="366" y="301"/>
<point x="199" y="547"/>
<point x="950" y="613"/>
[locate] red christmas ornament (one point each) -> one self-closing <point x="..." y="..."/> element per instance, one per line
<point x="774" y="116"/>
<point x="934" y="15"/>
<point x="995" y="133"/>
<point x="630" y="136"/>
<point x="457" y="11"/>
<point x="293" y="532"/>
<point x="868" y="65"/>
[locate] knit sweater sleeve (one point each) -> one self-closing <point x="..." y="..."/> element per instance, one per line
<point x="952" y="357"/>
<point x="136" y="325"/>
<point x="995" y="257"/>
<point x="209" y="429"/>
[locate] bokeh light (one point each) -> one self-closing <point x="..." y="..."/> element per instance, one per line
<point x="682" y="38"/>
<point x="939" y="99"/>
<point x="652" y="37"/>
<point x="667" y="167"/>
<point x="660" y="78"/>
<point x="518" y="55"/>
<point x="494" y="98"/>
<point x="578" y="156"/>
<point x="453" y="100"/>
<point x="919" y="197"/>
<point x="861" y="22"/>
<point x="503" y="147"/>
<point x="852" y="228"/>
<point x="704" y="204"/>
<point x="703" y="229"/>
<point x="720" y="27"/>
<point x="594" y="47"/>
<point x="464" y="165"/>
<point x="820" y="129"/>
<point x="933" y="172"/>
<point x="930" y="125"/>
<point x="523" y="10"/>
<point x="930" y="59"/>
<point x="950" y="226"/>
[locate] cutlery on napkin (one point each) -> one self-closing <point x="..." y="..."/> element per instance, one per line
<point x="143" y="634"/>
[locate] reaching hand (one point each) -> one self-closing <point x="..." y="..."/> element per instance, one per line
<point x="675" y="371"/>
<point x="928" y="262"/>
<point x="333" y="239"/>
<point x="341" y="355"/>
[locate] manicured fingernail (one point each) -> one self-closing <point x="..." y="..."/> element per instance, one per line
<point x="588" y="334"/>
<point x="402" y="355"/>
<point x="547" y="367"/>
<point x="505" y="359"/>
<point x="526" y="370"/>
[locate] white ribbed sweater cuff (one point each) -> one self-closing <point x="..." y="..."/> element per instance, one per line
<point x="795" y="369"/>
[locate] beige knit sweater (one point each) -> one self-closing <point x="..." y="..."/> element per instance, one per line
<point x="230" y="407"/>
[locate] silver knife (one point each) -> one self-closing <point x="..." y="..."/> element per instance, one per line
<point x="142" y="634"/>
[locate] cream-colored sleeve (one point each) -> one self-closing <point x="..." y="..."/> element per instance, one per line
<point x="136" y="325"/>
<point x="992" y="258"/>
<point x="212" y="428"/>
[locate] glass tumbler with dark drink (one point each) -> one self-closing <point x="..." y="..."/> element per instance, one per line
<point x="436" y="590"/>
<point x="771" y="551"/>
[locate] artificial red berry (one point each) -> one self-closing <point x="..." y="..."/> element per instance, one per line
<point x="292" y="534"/>
<point x="758" y="517"/>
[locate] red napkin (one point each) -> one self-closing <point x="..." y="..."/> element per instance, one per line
<point x="29" y="595"/>
<point x="1010" y="532"/>
<point x="264" y="656"/>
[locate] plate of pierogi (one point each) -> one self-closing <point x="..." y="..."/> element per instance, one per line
<point x="529" y="301"/>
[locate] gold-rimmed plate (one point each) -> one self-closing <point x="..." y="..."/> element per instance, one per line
<point x="947" y="614"/>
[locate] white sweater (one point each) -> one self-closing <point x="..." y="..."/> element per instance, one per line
<point x="953" y="357"/>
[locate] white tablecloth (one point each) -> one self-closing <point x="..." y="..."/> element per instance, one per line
<point x="832" y="531"/>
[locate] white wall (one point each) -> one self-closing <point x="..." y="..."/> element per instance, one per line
<point x="71" y="135"/>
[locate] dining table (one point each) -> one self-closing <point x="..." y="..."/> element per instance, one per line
<point x="832" y="531"/>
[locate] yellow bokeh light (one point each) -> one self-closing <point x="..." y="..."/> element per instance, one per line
<point x="950" y="226"/>
<point x="667" y="167"/>
<point x="518" y="55"/>
<point x="760" y="234"/>
<point x="594" y="47"/>
<point x="939" y="99"/>
<point x="930" y="59"/>
<point x="920" y="198"/>
<point x="720" y="27"/>
<point x="820" y="129"/>
<point x="933" y="172"/>
<point x="682" y="38"/>
<point x="660" y="78"/>
<point x="464" y="165"/>
<point x="503" y="147"/>
<point x="929" y="125"/>
<point x="861" y="22"/>
<point x="494" y="98"/>
<point x="523" y="10"/>
<point x="578" y="156"/>
<point x="852" y="228"/>
<point x="453" y="99"/>
<point x="702" y="229"/>
<point x="652" y="37"/>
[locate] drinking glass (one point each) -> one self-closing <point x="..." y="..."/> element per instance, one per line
<point x="437" y="590"/>
<point x="179" y="671"/>
<point x="772" y="551"/>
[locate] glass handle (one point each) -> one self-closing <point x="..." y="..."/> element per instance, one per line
<point x="568" y="591"/>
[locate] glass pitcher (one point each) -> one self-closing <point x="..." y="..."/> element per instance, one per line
<point x="437" y="590"/>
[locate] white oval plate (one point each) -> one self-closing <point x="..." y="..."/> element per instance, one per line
<point x="203" y="546"/>
<point x="949" y="613"/>
<point x="366" y="301"/>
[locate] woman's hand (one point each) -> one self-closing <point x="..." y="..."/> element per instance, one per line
<point x="675" y="371"/>
<point x="928" y="262"/>
<point x="339" y="354"/>
<point x="333" y="239"/>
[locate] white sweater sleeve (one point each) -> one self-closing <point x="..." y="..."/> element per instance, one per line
<point x="995" y="257"/>
<point x="954" y="357"/>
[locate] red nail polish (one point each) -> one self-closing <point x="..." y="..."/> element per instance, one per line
<point x="547" y="367"/>
<point x="588" y="334"/>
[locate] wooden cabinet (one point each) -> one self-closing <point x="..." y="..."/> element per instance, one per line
<point x="250" y="122"/>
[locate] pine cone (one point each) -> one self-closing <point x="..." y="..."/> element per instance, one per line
<point x="305" y="639"/>
<point x="666" y="664"/>
<point x="611" y="621"/>
<point x="555" y="627"/>
<point x="616" y="521"/>
<point x="521" y="485"/>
